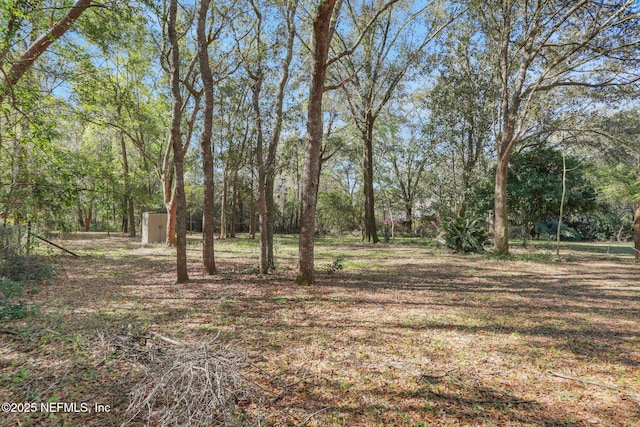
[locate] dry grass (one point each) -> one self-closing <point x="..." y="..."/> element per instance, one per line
<point x="404" y="335"/>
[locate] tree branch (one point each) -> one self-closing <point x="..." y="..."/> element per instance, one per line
<point x="41" y="44"/>
<point x="362" y="33"/>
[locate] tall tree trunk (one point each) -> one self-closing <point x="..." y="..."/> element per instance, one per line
<point x="234" y="205"/>
<point x="124" y="224"/>
<point x="408" y="211"/>
<point x="507" y="143"/>
<point x="87" y="219"/>
<point x="240" y="220"/>
<point x="266" y="207"/>
<point x="168" y="193"/>
<point x="208" y="215"/>
<point x="176" y="144"/>
<point x="128" y="199"/>
<point x="564" y="193"/>
<point x="132" y="217"/>
<point x="636" y="232"/>
<point x="374" y="79"/>
<point x="252" y="212"/>
<point x="370" y="226"/>
<point x="223" y="205"/>
<point x="270" y="217"/>
<point x="509" y="107"/>
<point x="171" y="208"/>
<point x="313" y="146"/>
<point x="265" y="218"/>
<point x="292" y="225"/>
<point x="266" y="164"/>
<point x="79" y="215"/>
<point x="501" y="219"/>
<point x="264" y="262"/>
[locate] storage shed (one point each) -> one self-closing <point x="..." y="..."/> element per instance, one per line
<point x="154" y="227"/>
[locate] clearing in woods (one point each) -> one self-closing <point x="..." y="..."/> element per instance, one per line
<point x="400" y="334"/>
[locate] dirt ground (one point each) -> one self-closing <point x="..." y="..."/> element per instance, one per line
<point x="401" y="335"/>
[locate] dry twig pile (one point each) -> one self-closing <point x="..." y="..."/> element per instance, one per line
<point x="196" y="385"/>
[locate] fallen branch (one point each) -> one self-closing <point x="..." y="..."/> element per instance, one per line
<point x="53" y="244"/>
<point x="163" y="338"/>
<point x="596" y="383"/>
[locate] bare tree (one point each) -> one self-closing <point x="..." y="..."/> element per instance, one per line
<point x="183" y="95"/>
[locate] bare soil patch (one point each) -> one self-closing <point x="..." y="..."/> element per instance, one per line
<point x="403" y="335"/>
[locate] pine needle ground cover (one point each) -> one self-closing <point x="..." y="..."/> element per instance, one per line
<point x="399" y="334"/>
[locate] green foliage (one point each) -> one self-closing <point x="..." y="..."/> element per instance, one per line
<point x="548" y="230"/>
<point x="113" y="27"/>
<point x="618" y="191"/>
<point x="16" y="262"/>
<point x="11" y="307"/>
<point x="336" y="265"/>
<point x="463" y="234"/>
<point x="336" y="211"/>
<point x="535" y="185"/>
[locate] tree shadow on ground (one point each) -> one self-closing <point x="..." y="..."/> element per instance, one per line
<point x="354" y="323"/>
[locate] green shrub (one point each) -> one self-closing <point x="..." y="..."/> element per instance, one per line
<point x="336" y="265"/>
<point x="11" y="307"/>
<point x="549" y="230"/>
<point x="32" y="269"/>
<point x="463" y="234"/>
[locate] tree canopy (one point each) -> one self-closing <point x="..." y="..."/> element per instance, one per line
<point x="317" y="117"/>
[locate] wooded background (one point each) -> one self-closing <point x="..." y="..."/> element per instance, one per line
<point x="340" y="116"/>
